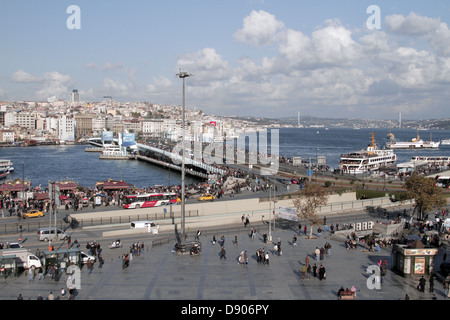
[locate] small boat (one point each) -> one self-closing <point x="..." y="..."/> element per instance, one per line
<point x="445" y="142"/>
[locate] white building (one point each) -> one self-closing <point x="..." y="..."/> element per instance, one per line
<point x="153" y="128"/>
<point x="7" y="136"/>
<point x="66" y="128"/>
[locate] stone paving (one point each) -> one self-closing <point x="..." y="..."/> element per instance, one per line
<point x="160" y="274"/>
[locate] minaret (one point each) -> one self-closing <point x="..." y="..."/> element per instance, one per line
<point x="400" y="120"/>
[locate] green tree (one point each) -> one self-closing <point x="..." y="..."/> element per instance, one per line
<point x="425" y="194"/>
<point x="308" y="201"/>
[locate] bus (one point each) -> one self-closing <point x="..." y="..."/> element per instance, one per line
<point x="442" y="181"/>
<point x="149" y="200"/>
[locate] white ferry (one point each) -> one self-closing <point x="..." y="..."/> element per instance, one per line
<point x="367" y="160"/>
<point x="445" y="142"/>
<point x="415" y="143"/>
<point x="437" y="160"/>
<point x="6" y="167"/>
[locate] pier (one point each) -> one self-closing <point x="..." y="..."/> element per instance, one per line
<point x="160" y="157"/>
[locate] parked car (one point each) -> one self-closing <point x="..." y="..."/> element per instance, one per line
<point x="33" y="214"/>
<point x="85" y="257"/>
<point x="207" y="197"/>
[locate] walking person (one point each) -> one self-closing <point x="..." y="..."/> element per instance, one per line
<point x="322" y="272"/>
<point x="317" y="253"/>
<point x="222" y="253"/>
<point x="431" y="282"/>
<point x="294" y="241"/>
<point x="89" y="266"/>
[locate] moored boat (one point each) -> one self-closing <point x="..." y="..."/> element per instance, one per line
<point x="368" y="160"/>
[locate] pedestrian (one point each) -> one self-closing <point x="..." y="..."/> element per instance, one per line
<point x="294" y="241"/>
<point x="431" y="282"/>
<point x="266" y="258"/>
<point x="31" y="274"/>
<point x="89" y="266"/>
<point x="51" y="296"/>
<point x="39" y="297"/>
<point x="245" y="257"/>
<point x="63" y="292"/>
<point x="20" y="297"/>
<point x="445" y="287"/>
<point x="307" y="261"/>
<point x="222" y="253"/>
<point x="197" y="237"/>
<point x="214" y="239"/>
<point x="317" y="253"/>
<point x="304" y="230"/>
<point x="314" y="268"/>
<point x="322" y="272"/>
<point x="235" y="240"/>
<point x="421" y="286"/>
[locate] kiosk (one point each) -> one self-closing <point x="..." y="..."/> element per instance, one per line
<point x="413" y="259"/>
<point x="62" y="258"/>
<point x="8" y="265"/>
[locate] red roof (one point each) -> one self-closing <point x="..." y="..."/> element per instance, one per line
<point x="116" y="185"/>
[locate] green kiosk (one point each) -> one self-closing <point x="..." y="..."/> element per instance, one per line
<point x="413" y="259"/>
<point x="62" y="258"/>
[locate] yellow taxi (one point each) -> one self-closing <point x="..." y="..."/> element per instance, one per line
<point x="206" y="197"/>
<point x="33" y="214"/>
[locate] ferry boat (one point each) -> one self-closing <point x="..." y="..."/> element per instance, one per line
<point x="415" y="143"/>
<point x="6" y="167"/>
<point x="367" y="160"/>
<point x="437" y="160"/>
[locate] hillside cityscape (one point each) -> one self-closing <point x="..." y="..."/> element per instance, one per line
<point x="74" y="120"/>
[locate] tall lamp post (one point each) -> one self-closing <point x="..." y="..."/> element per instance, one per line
<point x="183" y="75"/>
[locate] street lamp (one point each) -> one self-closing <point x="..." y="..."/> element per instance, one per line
<point x="183" y="75"/>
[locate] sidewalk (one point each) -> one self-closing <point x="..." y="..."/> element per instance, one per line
<point x="159" y="274"/>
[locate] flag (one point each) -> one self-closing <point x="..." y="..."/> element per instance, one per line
<point x="287" y="214"/>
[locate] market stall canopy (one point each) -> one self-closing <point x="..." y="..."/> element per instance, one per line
<point x="113" y="185"/>
<point x="16" y="185"/>
<point x="67" y="185"/>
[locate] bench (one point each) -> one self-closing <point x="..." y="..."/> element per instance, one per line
<point x="347" y="295"/>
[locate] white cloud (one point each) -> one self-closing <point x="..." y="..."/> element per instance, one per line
<point x="413" y="24"/>
<point x="22" y="76"/>
<point x="260" y="28"/>
<point x="50" y="83"/>
<point x="326" y="70"/>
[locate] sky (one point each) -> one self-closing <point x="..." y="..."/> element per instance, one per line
<point x="261" y="58"/>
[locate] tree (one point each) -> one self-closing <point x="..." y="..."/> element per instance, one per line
<point x="309" y="200"/>
<point x="425" y="193"/>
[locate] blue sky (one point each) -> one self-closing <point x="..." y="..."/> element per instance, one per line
<point x="260" y="58"/>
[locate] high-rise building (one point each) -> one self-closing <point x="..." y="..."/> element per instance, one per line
<point x="74" y="96"/>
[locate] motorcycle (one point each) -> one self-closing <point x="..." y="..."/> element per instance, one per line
<point x="116" y="244"/>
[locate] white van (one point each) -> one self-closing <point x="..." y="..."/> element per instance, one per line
<point x="142" y="224"/>
<point x="49" y="234"/>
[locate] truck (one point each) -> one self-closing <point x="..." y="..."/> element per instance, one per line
<point x="24" y="258"/>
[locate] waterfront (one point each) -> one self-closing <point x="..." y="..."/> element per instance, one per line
<point x="41" y="164"/>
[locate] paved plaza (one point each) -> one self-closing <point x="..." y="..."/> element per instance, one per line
<point x="160" y="274"/>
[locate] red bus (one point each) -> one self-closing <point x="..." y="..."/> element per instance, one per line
<point x="148" y="200"/>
